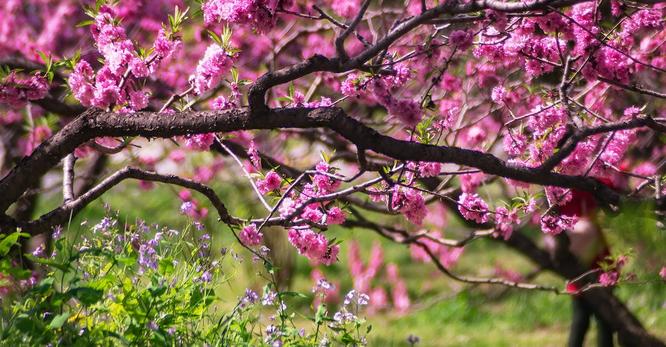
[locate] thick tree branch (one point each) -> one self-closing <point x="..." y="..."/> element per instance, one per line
<point x="94" y="123"/>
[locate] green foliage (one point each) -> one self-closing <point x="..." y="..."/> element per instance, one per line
<point x="149" y="286"/>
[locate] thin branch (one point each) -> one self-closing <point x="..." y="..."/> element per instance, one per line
<point x="72" y="207"/>
<point x="247" y="174"/>
<point x="68" y="178"/>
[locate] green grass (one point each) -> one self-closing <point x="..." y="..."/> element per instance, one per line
<point x="444" y="313"/>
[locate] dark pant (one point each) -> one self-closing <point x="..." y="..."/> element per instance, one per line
<point x="581" y="323"/>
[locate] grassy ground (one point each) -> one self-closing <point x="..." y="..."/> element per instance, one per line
<point x="444" y="312"/>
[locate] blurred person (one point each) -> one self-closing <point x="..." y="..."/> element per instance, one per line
<point x="588" y="244"/>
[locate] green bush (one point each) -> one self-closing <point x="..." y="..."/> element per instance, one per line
<point x="151" y="286"/>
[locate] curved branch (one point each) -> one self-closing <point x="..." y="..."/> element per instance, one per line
<point x="95" y="123"/>
<point x="70" y="208"/>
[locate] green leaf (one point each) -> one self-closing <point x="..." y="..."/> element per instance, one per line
<point x="85" y="23"/>
<point x="293" y="294"/>
<point x="26" y="325"/>
<point x="47" y="262"/>
<point x="44" y="285"/>
<point x="86" y="295"/>
<point x="59" y="320"/>
<point x="215" y="37"/>
<point x="320" y="316"/>
<point x="8" y="242"/>
<point x="226" y="36"/>
<point x="127" y="261"/>
<point x="166" y="266"/>
<point x="291" y="90"/>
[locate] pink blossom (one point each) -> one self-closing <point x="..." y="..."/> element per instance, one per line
<point x="508" y="274"/>
<point x="461" y="39"/>
<point x="253" y="153"/>
<point x="546" y="119"/>
<point x="250" y="236"/>
<point x="505" y="221"/>
<point x="410" y="203"/>
<point x="335" y="215"/>
<point x="15" y="91"/>
<point x="472" y="207"/>
<point x="312" y="214"/>
<point x="429" y="169"/>
<point x="346" y="8"/>
<point x="617" y="147"/>
<point x="259" y="14"/>
<point x="662" y="273"/>
<point x="609" y="279"/>
<point x="215" y="63"/>
<point x="164" y="47"/>
<point x="469" y="182"/>
<point x="324" y="183"/>
<point x="313" y="245"/>
<point x="270" y="182"/>
<point x="378" y="300"/>
<point x="631" y="112"/>
<point x="407" y="111"/>
<point x="200" y="142"/>
<point x="351" y="85"/>
<point x="107" y="91"/>
<point x="514" y="144"/>
<point x="613" y="65"/>
<point x="139" y="67"/>
<point x="112" y="42"/>
<point x="81" y="82"/>
<point x="399" y="293"/>
<point x="449" y="111"/>
<point x="558" y="196"/>
<point x="498" y="94"/>
<point x="448" y="256"/>
<point x="138" y="100"/>
<point x="554" y="225"/>
<point x="222" y="103"/>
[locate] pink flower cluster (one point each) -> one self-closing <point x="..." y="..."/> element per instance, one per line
<point x="108" y="87"/>
<point x="472" y="207"/>
<point x="505" y="220"/>
<point x="259" y="14"/>
<point x="112" y="42"/>
<point x="609" y="278"/>
<point x="164" y="46"/>
<point x="346" y="8"/>
<point x="215" y="63"/>
<point x="429" y="169"/>
<point x="16" y="91"/>
<point x="553" y="225"/>
<point x="410" y="203"/>
<point x="272" y="181"/>
<point x="314" y="246"/>
<point x="322" y="184"/>
<point x="250" y="236"/>
<point x="199" y="142"/>
<point x="405" y="110"/>
<point x="335" y="216"/>
<point x="546" y="119"/>
<point x="365" y="275"/>
<point x="461" y="39"/>
<point x="469" y="182"/>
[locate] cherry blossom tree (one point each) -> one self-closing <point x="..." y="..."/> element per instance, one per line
<point x="417" y="105"/>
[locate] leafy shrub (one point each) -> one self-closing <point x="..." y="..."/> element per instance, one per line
<point x="146" y="285"/>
